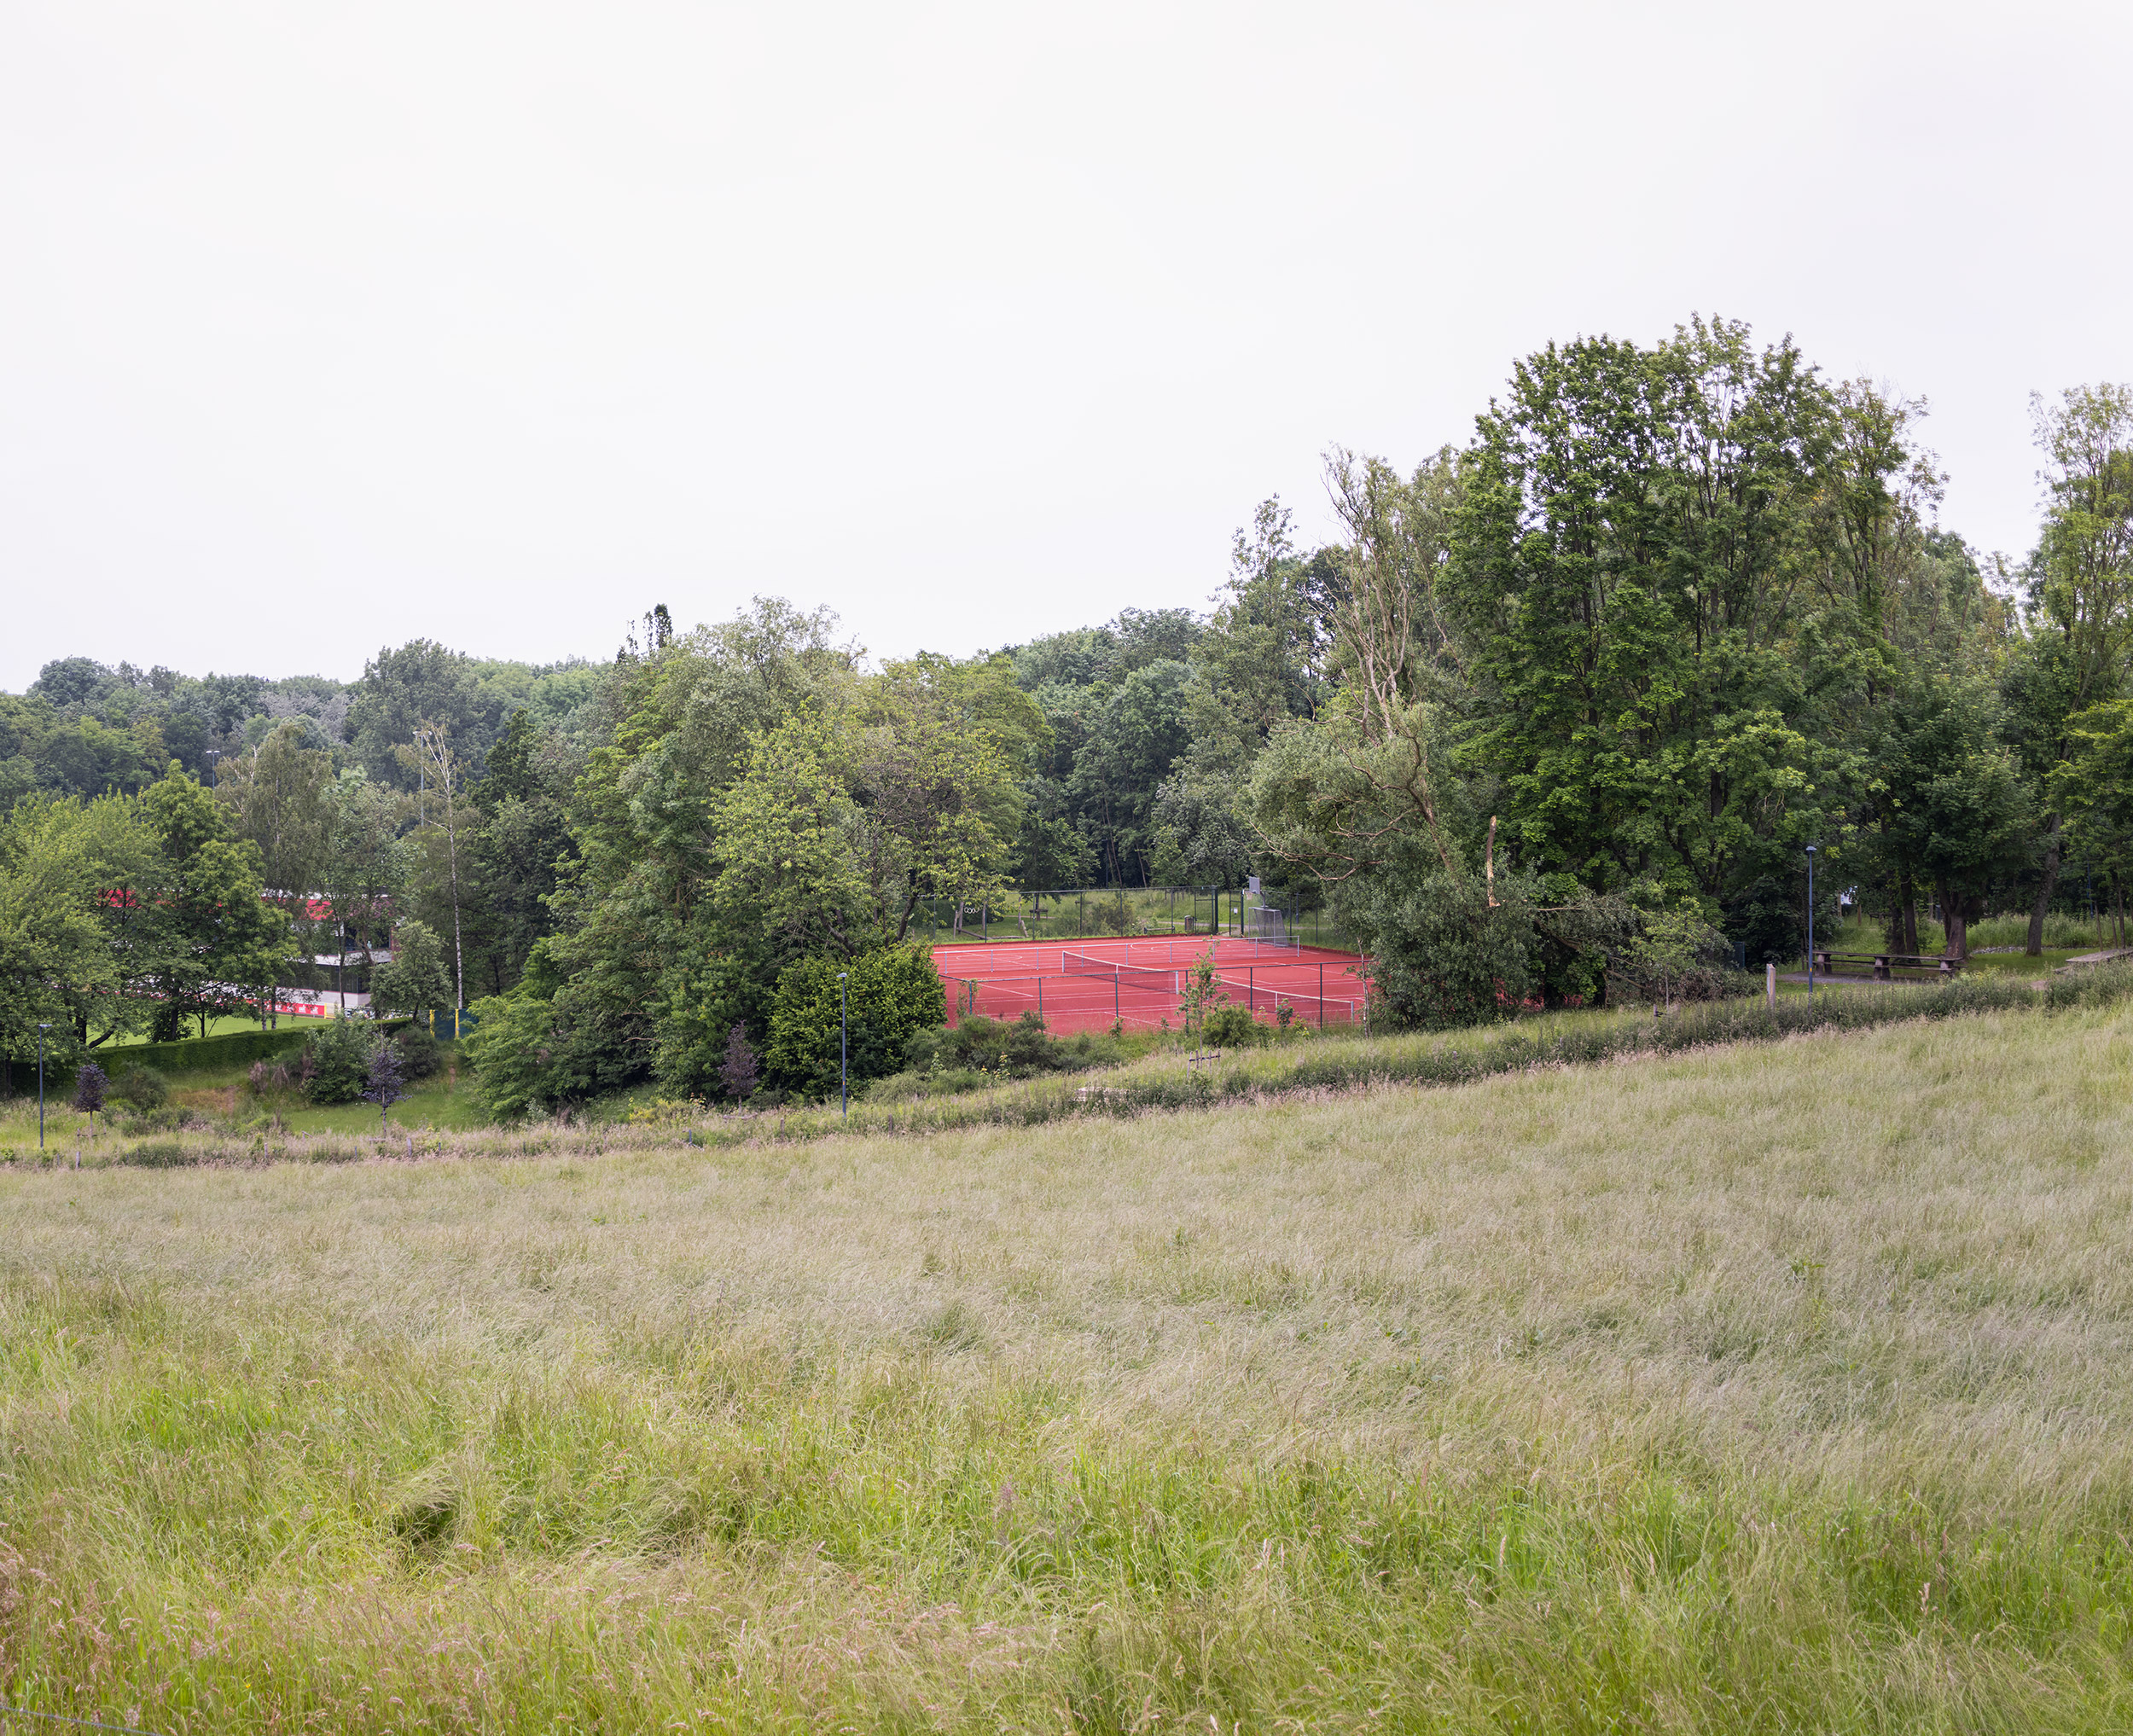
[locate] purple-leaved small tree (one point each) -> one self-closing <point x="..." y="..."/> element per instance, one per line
<point x="737" y="1072"/>
<point x="385" y="1082"/>
<point x="91" y="1089"/>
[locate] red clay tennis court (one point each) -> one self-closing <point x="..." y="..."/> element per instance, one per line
<point x="1089" y="984"/>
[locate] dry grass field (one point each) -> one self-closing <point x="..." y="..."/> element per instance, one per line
<point x="1782" y="1388"/>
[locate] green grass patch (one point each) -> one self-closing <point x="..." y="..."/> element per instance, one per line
<point x="1768" y="1388"/>
<point x="1176" y="1079"/>
<point x="2015" y="964"/>
<point x="228" y="1026"/>
<point x="233" y="1122"/>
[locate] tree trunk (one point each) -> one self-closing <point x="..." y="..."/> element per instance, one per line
<point x="2045" y="888"/>
<point x="1953" y="924"/>
<point x="459" y="955"/>
<point x="1907" y="913"/>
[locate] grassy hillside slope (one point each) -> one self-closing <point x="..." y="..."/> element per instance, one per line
<point x="1772" y="1388"/>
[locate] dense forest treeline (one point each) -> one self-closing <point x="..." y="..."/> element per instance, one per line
<point x="1583" y="688"/>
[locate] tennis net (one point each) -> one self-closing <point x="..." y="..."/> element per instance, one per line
<point x="1082" y="964"/>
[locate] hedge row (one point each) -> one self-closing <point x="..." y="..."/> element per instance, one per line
<point x="1359" y="1065"/>
<point x="208" y="1054"/>
<point x="201" y="1055"/>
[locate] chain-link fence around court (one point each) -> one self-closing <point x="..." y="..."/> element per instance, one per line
<point x="1139" y="985"/>
<point x="1072" y="913"/>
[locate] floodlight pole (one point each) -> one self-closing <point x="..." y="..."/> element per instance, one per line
<point x="1811" y="925"/>
<point x="844" y="1049"/>
<point x="41" y="1029"/>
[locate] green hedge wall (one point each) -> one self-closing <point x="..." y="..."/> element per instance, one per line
<point x="207" y="1054"/>
<point x="201" y="1055"/>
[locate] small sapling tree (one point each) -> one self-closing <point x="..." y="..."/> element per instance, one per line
<point x="91" y="1088"/>
<point x="384" y="1087"/>
<point x="1202" y="991"/>
<point x="737" y="1072"/>
<point x="1675" y="955"/>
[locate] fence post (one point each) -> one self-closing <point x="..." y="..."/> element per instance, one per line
<point x="1769" y="985"/>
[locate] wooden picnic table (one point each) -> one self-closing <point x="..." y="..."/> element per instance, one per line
<point x="1885" y="965"/>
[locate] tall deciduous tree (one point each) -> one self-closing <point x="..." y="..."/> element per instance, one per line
<point x="1627" y="564"/>
<point x="440" y="767"/>
<point x="420" y="682"/>
<point x="278" y="797"/>
<point x="368" y="867"/>
<point x="56" y="967"/>
<point x="519" y="836"/>
<point x="1953" y="812"/>
<point x="214" y="941"/>
<point x="2081" y="591"/>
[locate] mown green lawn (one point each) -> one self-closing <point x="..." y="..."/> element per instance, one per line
<point x="2020" y="964"/>
<point x="221" y="1027"/>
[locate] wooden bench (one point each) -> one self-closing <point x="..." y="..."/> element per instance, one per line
<point x="1885" y="966"/>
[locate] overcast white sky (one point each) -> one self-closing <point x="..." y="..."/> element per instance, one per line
<point x="322" y="328"/>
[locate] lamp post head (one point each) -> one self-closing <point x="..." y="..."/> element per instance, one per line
<point x="1811" y="850"/>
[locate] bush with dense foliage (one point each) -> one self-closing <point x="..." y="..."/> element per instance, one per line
<point x="337" y="1061"/>
<point x="1016" y="1047"/>
<point x="1233" y="1026"/>
<point x="422" y="1056"/>
<point x="980" y="1051"/>
<point x="889" y="997"/>
<point x="140" y="1088"/>
<point x="508" y="1051"/>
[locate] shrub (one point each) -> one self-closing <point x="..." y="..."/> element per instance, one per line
<point x="141" y="1088"/>
<point x="337" y="1061"/>
<point x="1112" y="915"/>
<point x="421" y="1054"/>
<point x="1674" y="955"/>
<point x="980" y="1051"/>
<point x="982" y="1045"/>
<point x="512" y="1053"/>
<point x="161" y="1154"/>
<point x="1232" y="1027"/>
<point x="1450" y="951"/>
<point x="892" y="996"/>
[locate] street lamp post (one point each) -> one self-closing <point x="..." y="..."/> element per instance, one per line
<point x="1811" y="925"/>
<point x="41" y="1029"/>
<point x="843" y="1050"/>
